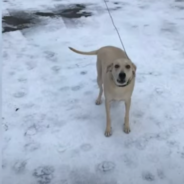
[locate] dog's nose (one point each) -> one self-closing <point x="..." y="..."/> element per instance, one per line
<point x="122" y="75"/>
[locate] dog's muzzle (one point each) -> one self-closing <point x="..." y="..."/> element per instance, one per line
<point x="121" y="78"/>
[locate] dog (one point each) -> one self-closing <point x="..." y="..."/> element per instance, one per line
<point x="116" y="77"/>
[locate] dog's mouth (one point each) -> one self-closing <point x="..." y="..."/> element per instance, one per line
<point x="121" y="81"/>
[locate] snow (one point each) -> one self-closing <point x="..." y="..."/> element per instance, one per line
<point x="1" y="137"/>
<point x="54" y="132"/>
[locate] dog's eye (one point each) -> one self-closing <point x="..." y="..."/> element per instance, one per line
<point x="116" y="66"/>
<point x="127" y="66"/>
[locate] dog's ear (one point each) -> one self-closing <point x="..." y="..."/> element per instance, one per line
<point x="134" y="68"/>
<point x="109" y="68"/>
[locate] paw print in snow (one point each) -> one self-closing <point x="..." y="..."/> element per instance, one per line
<point x="44" y="174"/>
<point x="106" y="166"/>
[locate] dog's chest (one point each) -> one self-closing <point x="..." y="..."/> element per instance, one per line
<point x="119" y="93"/>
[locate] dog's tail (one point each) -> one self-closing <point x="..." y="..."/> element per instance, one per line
<point x="84" y="53"/>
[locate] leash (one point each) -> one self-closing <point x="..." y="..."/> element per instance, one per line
<point x="105" y="1"/>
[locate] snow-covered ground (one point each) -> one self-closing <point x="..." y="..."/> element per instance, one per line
<point x="54" y="132"/>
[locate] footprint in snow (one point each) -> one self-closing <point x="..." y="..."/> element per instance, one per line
<point x="86" y="147"/>
<point x="19" y="166"/>
<point x="106" y="166"/>
<point x="19" y="94"/>
<point x="148" y="176"/>
<point x="83" y="72"/>
<point x="44" y="174"/>
<point x="76" y="88"/>
<point x="32" y="146"/>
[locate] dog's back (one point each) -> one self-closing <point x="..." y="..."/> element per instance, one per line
<point x="110" y="53"/>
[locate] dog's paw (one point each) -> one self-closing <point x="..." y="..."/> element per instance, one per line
<point x="98" y="101"/>
<point x="108" y="132"/>
<point x="126" y="129"/>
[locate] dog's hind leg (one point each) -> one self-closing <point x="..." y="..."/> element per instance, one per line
<point x="99" y="81"/>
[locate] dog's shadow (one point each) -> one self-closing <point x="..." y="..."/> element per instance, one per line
<point x="118" y="113"/>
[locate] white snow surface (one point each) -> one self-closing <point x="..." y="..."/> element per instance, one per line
<point x="54" y="132"/>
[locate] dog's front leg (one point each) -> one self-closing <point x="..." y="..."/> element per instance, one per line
<point x="108" y="131"/>
<point x="127" y="110"/>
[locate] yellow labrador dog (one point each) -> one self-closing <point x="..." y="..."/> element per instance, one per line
<point x="116" y="76"/>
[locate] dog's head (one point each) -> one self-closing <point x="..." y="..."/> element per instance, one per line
<point x="123" y="70"/>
